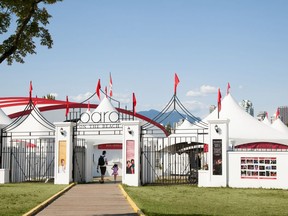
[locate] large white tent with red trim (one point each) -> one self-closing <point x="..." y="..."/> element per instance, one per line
<point x="245" y="130"/>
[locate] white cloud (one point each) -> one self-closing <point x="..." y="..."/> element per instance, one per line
<point x="206" y="89"/>
<point x="194" y="106"/>
<point x="203" y="91"/>
<point x="123" y="98"/>
<point x="81" y="97"/>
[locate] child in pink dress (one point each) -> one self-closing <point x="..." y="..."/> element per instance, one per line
<point x="115" y="171"/>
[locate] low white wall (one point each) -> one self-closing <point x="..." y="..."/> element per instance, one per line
<point x="4" y="176"/>
<point x="258" y="169"/>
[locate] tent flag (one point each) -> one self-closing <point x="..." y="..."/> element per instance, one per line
<point x="219" y="101"/>
<point x="134" y="104"/>
<point x="277" y="113"/>
<point x="228" y="88"/>
<point x="30" y="90"/>
<point x="67" y="106"/>
<point x="205" y="148"/>
<point x="110" y="86"/>
<point x="176" y="82"/>
<point x="106" y="91"/>
<point x="98" y="89"/>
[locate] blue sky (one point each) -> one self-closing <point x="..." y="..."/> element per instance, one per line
<point x="208" y="43"/>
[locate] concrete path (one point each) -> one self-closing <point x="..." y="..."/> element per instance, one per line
<point x="90" y="199"/>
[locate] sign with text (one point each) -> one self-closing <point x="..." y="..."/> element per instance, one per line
<point x="217" y="156"/>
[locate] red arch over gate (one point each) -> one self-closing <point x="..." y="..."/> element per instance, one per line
<point x="49" y="105"/>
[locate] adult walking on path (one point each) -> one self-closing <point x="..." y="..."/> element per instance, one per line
<point x="90" y="200"/>
<point x="102" y="163"/>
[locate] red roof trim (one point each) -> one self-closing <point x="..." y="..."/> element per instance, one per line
<point x="262" y="145"/>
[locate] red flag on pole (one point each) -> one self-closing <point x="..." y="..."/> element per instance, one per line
<point x="106" y="91"/>
<point x="30" y="90"/>
<point x="277" y="113"/>
<point x="219" y="101"/>
<point x="110" y="86"/>
<point x="98" y="89"/>
<point x="228" y="88"/>
<point x="67" y="106"/>
<point x="176" y="82"/>
<point x="205" y="148"/>
<point x="134" y="104"/>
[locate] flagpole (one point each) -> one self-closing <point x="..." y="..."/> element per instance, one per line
<point x="176" y="82"/>
<point x="174" y="101"/>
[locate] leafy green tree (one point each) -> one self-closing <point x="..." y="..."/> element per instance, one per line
<point x="168" y="128"/>
<point x="31" y="18"/>
<point x="49" y="96"/>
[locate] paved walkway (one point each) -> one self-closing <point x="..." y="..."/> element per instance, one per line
<point x="90" y="199"/>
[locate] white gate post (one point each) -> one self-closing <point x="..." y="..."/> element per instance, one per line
<point x="63" y="152"/>
<point x="217" y="173"/>
<point x="131" y="153"/>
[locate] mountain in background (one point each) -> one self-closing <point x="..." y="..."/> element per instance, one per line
<point x="171" y="117"/>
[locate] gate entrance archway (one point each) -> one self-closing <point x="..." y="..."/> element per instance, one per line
<point x="174" y="159"/>
<point x="28" y="146"/>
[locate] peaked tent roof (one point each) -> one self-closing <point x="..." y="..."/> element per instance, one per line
<point x="4" y="119"/>
<point x="33" y="122"/>
<point x="106" y="107"/>
<point x="243" y="128"/>
<point x="279" y="125"/>
<point x="266" y="121"/>
<point x="185" y="125"/>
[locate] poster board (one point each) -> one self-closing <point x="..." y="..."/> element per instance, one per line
<point x="217" y="156"/>
<point x="62" y="158"/>
<point x="258" y="168"/>
<point x="130" y="157"/>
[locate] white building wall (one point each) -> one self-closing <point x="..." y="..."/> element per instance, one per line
<point x="279" y="181"/>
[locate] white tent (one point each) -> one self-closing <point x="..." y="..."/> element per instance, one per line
<point x="279" y="125"/>
<point x="34" y="122"/>
<point x="243" y="128"/>
<point x="266" y="121"/>
<point x="105" y="112"/>
<point x="4" y="119"/>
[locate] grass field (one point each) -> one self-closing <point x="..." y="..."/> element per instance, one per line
<point x="17" y="199"/>
<point x="191" y="200"/>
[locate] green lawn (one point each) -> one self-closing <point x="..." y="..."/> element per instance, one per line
<point x="191" y="200"/>
<point x="17" y="199"/>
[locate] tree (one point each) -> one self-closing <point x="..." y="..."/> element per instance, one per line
<point x="168" y="128"/>
<point x="30" y="17"/>
<point x="49" y="96"/>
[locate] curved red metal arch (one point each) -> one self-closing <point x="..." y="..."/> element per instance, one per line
<point x="57" y="104"/>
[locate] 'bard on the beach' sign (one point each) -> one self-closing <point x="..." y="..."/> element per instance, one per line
<point x="100" y="117"/>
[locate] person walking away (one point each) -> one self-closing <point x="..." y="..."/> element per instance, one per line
<point x="102" y="162"/>
<point x="115" y="172"/>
